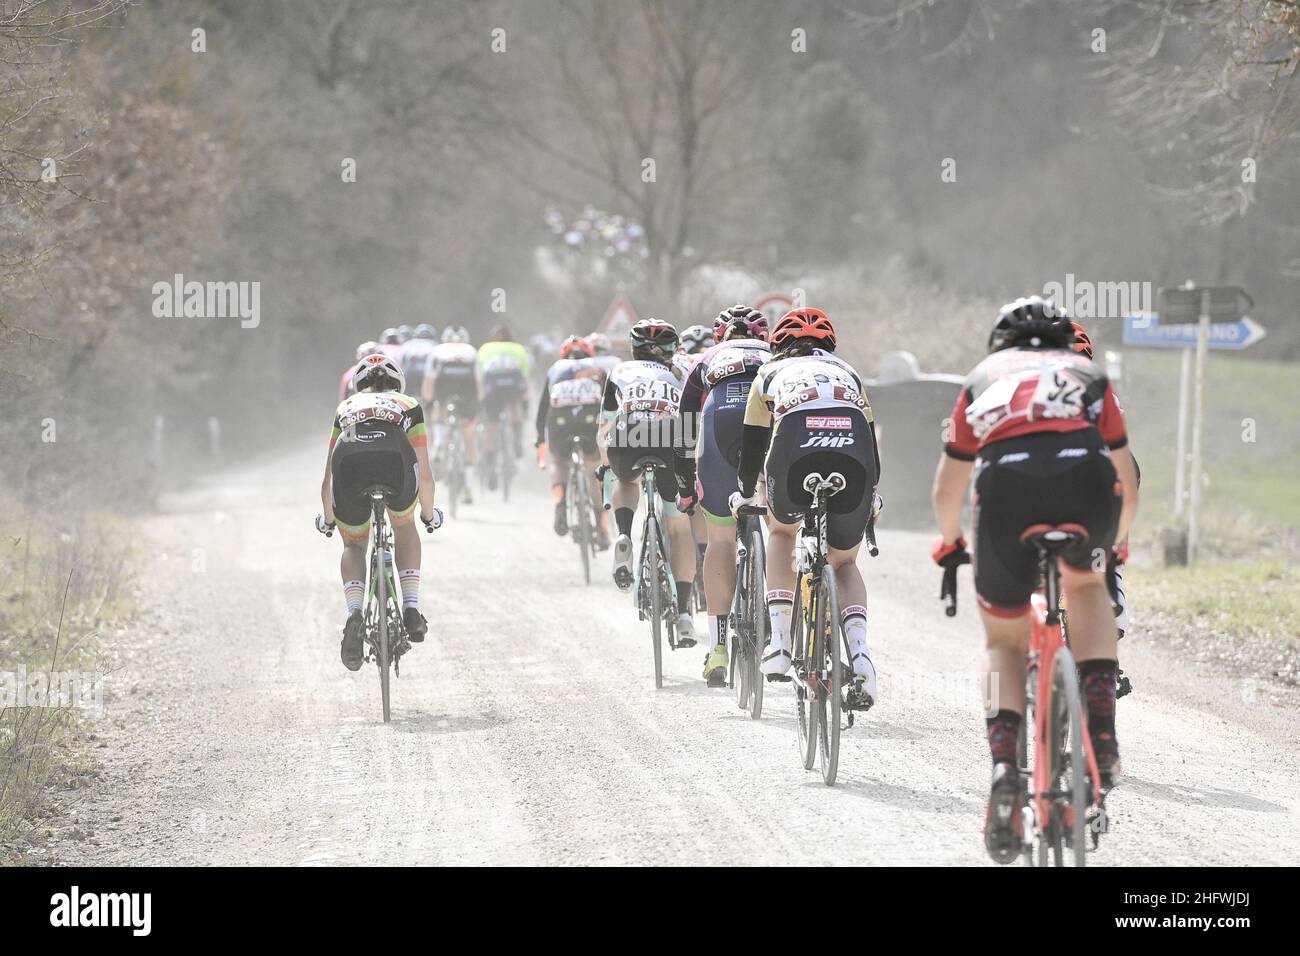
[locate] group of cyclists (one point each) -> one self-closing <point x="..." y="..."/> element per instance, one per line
<point x="740" y="414"/>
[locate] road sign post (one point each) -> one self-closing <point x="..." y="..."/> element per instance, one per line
<point x="1194" y="319"/>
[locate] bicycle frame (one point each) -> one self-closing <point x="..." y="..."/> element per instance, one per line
<point x="385" y="634"/>
<point x="812" y="562"/>
<point x="1047" y="637"/>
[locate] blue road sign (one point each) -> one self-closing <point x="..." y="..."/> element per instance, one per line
<point x="1144" y="329"/>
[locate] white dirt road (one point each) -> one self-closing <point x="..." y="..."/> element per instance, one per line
<point x="527" y="730"/>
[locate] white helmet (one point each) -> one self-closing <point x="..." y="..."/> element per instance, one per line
<point x="600" y="342"/>
<point x="696" y="339"/>
<point x="455" y="333"/>
<point x="373" y="370"/>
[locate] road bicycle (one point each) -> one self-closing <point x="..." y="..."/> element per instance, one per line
<point x="502" y="457"/>
<point x="384" y="638"/>
<point x="582" y="520"/>
<point x="824" y="688"/>
<point x="750" y="624"/>
<point x="1063" y="812"/>
<point x="655" y="590"/>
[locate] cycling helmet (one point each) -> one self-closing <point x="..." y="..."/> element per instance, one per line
<point x="1082" y="341"/>
<point x="653" y="340"/>
<point x="455" y="333"/>
<point x="368" y="348"/>
<point x="600" y="343"/>
<point x="1032" y="322"/>
<point x="574" y="347"/>
<point x="425" y="331"/>
<point x="810" y="326"/>
<point x="391" y="337"/>
<point x="501" y="333"/>
<point x="696" y="338"/>
<point x="405" y="332"/>
<point x="378" y="373"/>
<point x="739" y="311"/>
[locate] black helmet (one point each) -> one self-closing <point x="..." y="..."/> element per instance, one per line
<point x="653" y="339"/>
<point x="1032" y="322"/>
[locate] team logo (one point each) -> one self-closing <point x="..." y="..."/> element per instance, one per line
<point x="834" y="423"/>
<point x="828" y="441"/>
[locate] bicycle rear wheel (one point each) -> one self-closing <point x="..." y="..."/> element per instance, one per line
<point x="455" y="478"/>
<point x="804" y="649"/>
<point x="654" y="571"/>
<point x="1069" y="770"/>
<point x="829" y="698"/>
<point x="759" y="624"/>
<point x="505" y="459"/>
<point x="383" y="655"/>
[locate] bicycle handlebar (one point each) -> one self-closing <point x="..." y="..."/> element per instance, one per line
<point x="948" y="591"/>
<point x="323" y="528"/>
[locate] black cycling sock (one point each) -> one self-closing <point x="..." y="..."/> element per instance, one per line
<point x="623" y="519"/>
<point x="722" y="627"/>
<point x="1003" y="732"/>
<point x="684" y="596"/>
<point x="1098" y="679"/>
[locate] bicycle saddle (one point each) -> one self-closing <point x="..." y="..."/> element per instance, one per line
<point x="834" y="482"/>
<point x="1051" y="539"/>
<point x="380" y="491"/>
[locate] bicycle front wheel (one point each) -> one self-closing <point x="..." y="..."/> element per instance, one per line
<point x="829" y="698"/>
<point x="1068" y="777"/>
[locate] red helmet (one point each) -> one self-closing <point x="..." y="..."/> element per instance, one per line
<point x="575" y="347"/>
<point x="1082" y="342"/>
<point x="804" y="324"/>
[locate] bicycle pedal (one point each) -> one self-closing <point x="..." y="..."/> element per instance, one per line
<point x="1124" y="687"/>
<point x="778" y="678"/>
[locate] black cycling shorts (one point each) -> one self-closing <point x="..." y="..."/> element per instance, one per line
<point x="633" y="444"/>
<point x="386" y="458"/>
<point x="824" y="441"/>
<point x="502" y="392"/>
<point x="564" y="424"/>
<point x="722" y="431"/>
<point x="1044" y="478"/>
<point x="461" y="392"/>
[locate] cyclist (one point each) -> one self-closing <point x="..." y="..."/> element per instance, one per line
<point x="638" y="420"/>
<point x="809" y="405"/>
<point x="378" y="438"/>
<point x="570" y="406"/>
<point x="695" y="339"/>
<point x="364" y="349"/>
<point x="503" y="383"/>
<point x="391" y="342"/>
<point x="449" y="378"/>
<point x="415" y="357"/>
<point x="603" y="349"/>
<point x="1039" y="423"/>
<point x="713" y="418"/>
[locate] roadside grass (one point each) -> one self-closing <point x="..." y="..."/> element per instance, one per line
<point x="1253" y="599"/>
<point x="58" y="585"/>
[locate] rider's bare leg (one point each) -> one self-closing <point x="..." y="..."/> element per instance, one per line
<point x="720" y="567"/>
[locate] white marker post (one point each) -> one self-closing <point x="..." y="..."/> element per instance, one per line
<point x="1180" y="459"/>
<point x="1194" y="475"/>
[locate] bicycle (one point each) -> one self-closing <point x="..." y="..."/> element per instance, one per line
<point x="817" y="635"/>
<point x="454" y="454"/>
<point x="503" y="458"/>
<point x="384" y="638"/>
<point x="656" y="592"/>
<point x="1064" y="800"/>
<point x="750" y="624"/>
<point x="581" y="517"/>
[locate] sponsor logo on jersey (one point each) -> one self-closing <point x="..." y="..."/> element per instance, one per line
<point x="1013" y="456"/>
<point x="1072" y="453"/>
<point x="828" y="441"/>
<point x="819" y="421"/>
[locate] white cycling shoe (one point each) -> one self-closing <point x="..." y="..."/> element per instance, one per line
<point x="776" y="658"/>
<point x="623" y="563"/>
<point x="685" y="631"/>
<point x="863" y="668"/>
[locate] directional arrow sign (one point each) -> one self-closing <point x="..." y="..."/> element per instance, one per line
<point x="1144" y="329"/>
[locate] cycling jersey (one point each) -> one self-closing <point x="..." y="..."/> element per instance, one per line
<point x="642" y="399"/>
<point x="451" y="365"/>
<point x="373" y="442"/>
<point x="572" y="391"/>
<point x="684" y="362"/>
<point x="414" y="359"/>
<point x="1018" y="392"/>
<point x="713" y="414"/>
<point x="502" y="364"/>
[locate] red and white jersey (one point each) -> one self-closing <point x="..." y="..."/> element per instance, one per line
<point x="643" y="390"/>
<point x="1023" y="391"/>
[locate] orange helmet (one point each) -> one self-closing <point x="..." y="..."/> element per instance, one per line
<point x="803" y="324"/>
<point x="574" y="347"/>
<point x="1082" y="343"/>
